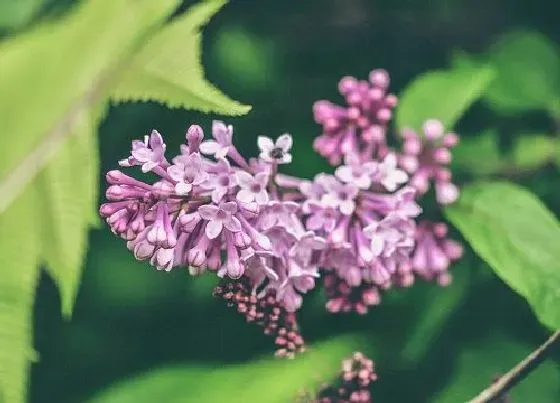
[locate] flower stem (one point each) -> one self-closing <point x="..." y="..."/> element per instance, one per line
<point x="518" y="373"/>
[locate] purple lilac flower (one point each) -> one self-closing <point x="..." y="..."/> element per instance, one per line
<point x="148" y="153"/>
<point x="434" y="252"/>
<point x="219" y="147"/>
<point x="360" y="127"/>
<point x="271" y="236"/>
<point x="187" y="171"/>
<point x="427" y="159"/>
<point x="253" y="188"/>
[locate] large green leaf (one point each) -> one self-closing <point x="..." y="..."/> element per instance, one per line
<point x="479" y="364"/>
<point x="443" y="95"/>
<point x="527" y="68"/>
<point x="518" y="237"/>
<point x="19" y="255"/>
<point x="273" y="381"/>
<point x="52" y="75"/>
<point x="168" y="70"/>
<point x="69" y="199"/>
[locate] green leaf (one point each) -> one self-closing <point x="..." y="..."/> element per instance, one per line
<point x="69" y="202"/>
<point x="43" y="99"/>
<point x="509" y="228"/>
<point x="479" y="364"/>
<point x="527" y="68"/>
<point x="479" y="155"/>
<point x="168" y="70"/>
<point x="532" y="151"/>
<point x="276" y="381"/>
<point x="19" y="256"/>
<point x="439" y="306"/>
<point x="15" y="14"/>
<point x="443" y="95"/>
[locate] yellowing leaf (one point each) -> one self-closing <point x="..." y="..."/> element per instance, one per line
<point x="168" y="70"/>
<point x="19" y="256"/>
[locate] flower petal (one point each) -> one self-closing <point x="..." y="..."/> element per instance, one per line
<point x="347" y="207"/>
<point x="265" y="144"/>
<point x="222" y="152"/>
<point x="208" y="211"/>
<point x="244" y="179"/>
<point x="233" y="224"/>
<point x="284" y="142"/>
<point x="245" y="196"/>
<point x="209" y="147"/>
<point x="262" y="178"/>
<point x="230" y="207"/>
<point x="261" y="197"/>
<point x="213" y="229"/>
<point x="182" y="188"/>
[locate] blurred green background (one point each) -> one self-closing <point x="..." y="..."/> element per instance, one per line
<point x="281" y="56"/>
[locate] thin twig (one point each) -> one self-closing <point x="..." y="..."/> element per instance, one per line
<point x="517" y="373"/>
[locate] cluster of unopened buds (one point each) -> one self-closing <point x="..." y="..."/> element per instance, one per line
<point x="272" y="237"/>
<point x="351" y="386"/>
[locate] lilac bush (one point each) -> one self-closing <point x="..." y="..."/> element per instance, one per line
<point x="272" y="237"/>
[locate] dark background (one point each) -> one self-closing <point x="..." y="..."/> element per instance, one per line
<point x="281" y="56"/>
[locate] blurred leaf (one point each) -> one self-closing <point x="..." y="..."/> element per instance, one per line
<point x="168" y="70"/>
<point x="248" y="59"/>
<point x="527" y="68"/>
<point x="272" y="380"/>
<point x="15" y="14"/>
<point x="518" y="237"/>
<point x="478" y="365"/>
<point x="443" y="95"/>
<point x="479" y="155"/>
<point x="68" y="204"/>
<point x="43" y="99"/>
<point x="532" y="151"/>
<point x="19" y="256"/>
<point x="439" y="305"/>
<point x="463" y="60"/>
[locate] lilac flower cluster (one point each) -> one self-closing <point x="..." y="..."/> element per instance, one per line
<point x="271" y="236"/>
<point x="351" y="386"/>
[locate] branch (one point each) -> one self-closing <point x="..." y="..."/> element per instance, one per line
<point x="517" y="373"/>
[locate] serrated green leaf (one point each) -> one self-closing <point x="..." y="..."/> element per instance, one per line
<point x="443" y="95"/>
<point x="168" y="70"/>
<point x="527" y="65"/>
<point x="509" y="228"/>
<point x="532" y="151"/>
<point x="43" y="98"/>
<point x="478" y="365"/>
<point x="439" y="305"/>
<point x="276" y="381"/>
<point x="479" y="155"/>
<point x="19" y="256"/>
<point x="69" y="200"/>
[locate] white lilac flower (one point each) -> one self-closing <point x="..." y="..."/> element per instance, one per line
<point x="275" y="152"/>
